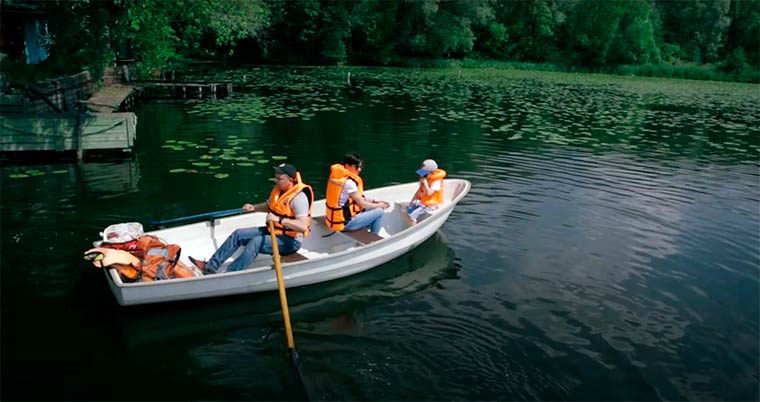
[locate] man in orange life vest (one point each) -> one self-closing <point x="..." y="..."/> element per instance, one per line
<point x="347" y="208"/>
<point x="429" y="194"/>
<point x="288" y="207"/>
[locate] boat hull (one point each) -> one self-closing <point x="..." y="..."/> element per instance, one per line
<point x="328" y="257"/>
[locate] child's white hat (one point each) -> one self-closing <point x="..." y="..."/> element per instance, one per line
<point x="428" y="166"/>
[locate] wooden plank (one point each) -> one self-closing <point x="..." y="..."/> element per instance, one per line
<point x="362" y="236"/>
<point x="110" y="97"/>
<point x="295" y="257"/>
<point x="105" y="145"/>
<point x="119" y="136"/>
<point x="39" y="146"/>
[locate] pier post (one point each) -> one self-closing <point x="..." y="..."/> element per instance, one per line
<point x="79" y="129"/>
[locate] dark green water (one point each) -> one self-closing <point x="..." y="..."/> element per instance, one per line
<point x="609" y="248"/>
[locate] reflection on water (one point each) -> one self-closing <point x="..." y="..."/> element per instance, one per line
<point x="607" y="250"/>
<point x="221" y="337"/>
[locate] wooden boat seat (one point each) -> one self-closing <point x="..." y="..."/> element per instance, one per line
<point x="362" y="236"/>
<point x="295" y="257"/>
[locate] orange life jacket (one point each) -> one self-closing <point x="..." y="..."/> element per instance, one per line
<point x="132" y="246"/>
<point x="161" y="261"/>
<point x="437" y="197"/>
<point x="279" y="204"/>
<point x="158" y="260"/>
<point x="337" y="216"/>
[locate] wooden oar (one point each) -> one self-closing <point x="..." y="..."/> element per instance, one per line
<point x="208" y="215"/>
<point x="285" y="313"/>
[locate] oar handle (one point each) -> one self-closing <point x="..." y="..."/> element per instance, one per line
<point x="208" y="215"/>
<point x="281" y="287"/>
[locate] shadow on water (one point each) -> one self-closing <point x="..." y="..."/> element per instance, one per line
<point x="236" y="345"/>
<point x="429" y="265"/>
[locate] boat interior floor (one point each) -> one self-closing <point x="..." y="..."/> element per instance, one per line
<point x="363" y="236"/>
<point x="323" y="241"/>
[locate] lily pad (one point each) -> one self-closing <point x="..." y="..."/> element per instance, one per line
<point x="279" y="157"/>
<point x="201" y="164"/>
<point x="18" y="176"/>
<point x="222" y="175"/>
<point x="178" y="170"/>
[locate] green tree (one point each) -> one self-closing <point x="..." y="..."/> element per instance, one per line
<point x="635" y="40"/>
<point x="744" y="31"/>
<point x="590" y="30"/>
<point x="338" y="19"/>
<point x="311" y="31"/>
<point x="82" y="32"/>
<point x="435" y="28"/>
<point x="375" y="34"/>
<point x="292" y="36"/>
<point x="698" y="27"/>
<point x="166" y="31"/>
<point x="598" y="33"/>
<point x="492" y="40"/>
<point x="531" y="28"/>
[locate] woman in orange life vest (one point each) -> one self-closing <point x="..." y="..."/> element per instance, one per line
<point x="347" y="208"/>
<point x="429" y="194"/>
<point x="288" y="207"/>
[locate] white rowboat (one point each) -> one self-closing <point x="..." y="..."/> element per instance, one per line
<point x="321" y="258"/>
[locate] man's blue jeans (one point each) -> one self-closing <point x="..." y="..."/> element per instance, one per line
<point x="256" y="240"/>
<point x="372" y="219"/>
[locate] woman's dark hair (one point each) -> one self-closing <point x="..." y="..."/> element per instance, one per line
<point x="353" y="159"/>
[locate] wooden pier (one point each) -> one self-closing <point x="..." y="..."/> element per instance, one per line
<point x="185" y="90"/>
<point x="59" y="116"/>
<point x="68" y="132"/>
<point x="113" y="98"/>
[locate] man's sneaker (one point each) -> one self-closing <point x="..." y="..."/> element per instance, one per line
<point x="198" y="263"/>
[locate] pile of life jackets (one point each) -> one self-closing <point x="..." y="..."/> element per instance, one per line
<point x="145" y="259"/>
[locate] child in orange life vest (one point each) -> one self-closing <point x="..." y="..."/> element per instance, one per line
<point x="429" y="194"/>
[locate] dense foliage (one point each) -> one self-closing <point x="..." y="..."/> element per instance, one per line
<point x="578" y="34"/>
